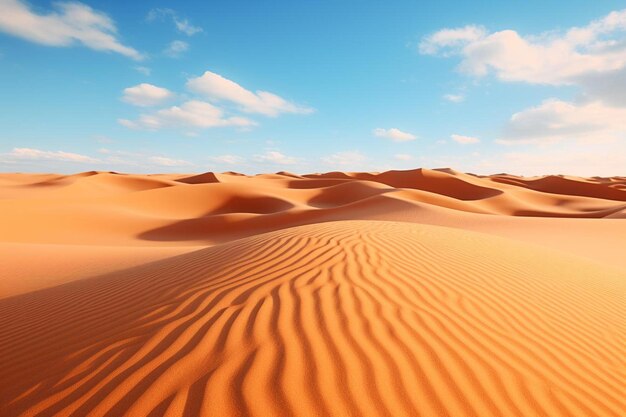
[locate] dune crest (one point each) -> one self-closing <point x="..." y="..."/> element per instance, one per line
<point x="342" y="318"/>
<point x="111" y="209"/>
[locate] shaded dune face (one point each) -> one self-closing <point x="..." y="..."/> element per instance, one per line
<point x="363" y="318"/>
<point x="214" y="208"/>
<point x="434" y="181"/>
<point x="601" y="188"/>
<point x="208" y="177"/>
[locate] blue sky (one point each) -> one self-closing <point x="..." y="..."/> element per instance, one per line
<point x="530" y="87"/>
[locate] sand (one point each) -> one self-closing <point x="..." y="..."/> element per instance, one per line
<point x="404" y="293"/>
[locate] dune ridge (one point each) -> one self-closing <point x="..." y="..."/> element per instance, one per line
<point x="115" y="209"/>
<point x="147" y="200"/>
<point x="340" y="318"/>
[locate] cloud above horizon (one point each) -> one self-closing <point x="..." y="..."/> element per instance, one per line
<point x="345" y="160"/>
<point x="215" y="87"/>
<point x="168" y="162"/>
<point x="70" y="23"/>
<point x="201" y="114"/>
<point x="557" y="120"/>
<point x="108" y="159"/>
<point x="182" y="25"/>
<point x="190" y="114"/>
<point x="394" y="134"/>
<point x="20" y="154"/>
<point x="454" y="98"/>
<point x="146" y="95"/>
<point x="275" y="157"/>
<point x="592" y="58"/>
<point x="464" y="140"/>
<point x="176" y="48"/>
<point x="227" y="159"/>
<point x="550" y="58"/>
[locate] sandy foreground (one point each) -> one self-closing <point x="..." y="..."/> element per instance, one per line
<point x="403" y="293"/>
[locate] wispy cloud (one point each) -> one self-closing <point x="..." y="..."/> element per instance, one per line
<point x="21" y="154"/>
<point x="451" y="38"/>
<point x="191" y="114"/>
<point x="182" y="25"/>
<point x="454" y="98"/>
<point x="345" y="160"/>
<point x="126" y="158"/>
<point x="577" y="159"/>
<point x="185" y="27"/>
<point x="107" y="158"/>
<point x="176" y="48"/>
<point x="464" y="140"/>
<point x="395" y="135"/>
<point x="68" y="24"/>
<point x="557" y="120"/>
<point x="168" y="162"/>
<point x="228" y="159"/>
<point x="275" y="157"/>
<point x="143" y="70"/>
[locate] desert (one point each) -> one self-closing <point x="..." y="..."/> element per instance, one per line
<point x="354" y="208"/>
<point x="420" y="292"/>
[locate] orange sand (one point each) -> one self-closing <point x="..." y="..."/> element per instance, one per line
<point x="404" y="293"/>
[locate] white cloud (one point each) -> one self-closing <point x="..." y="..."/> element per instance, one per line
<point x="396" y="135"/>
<point x="609" y="87"/>
<point x="592" y="57"/>
<point x="464" y="140"/>
<point x="454" y="98"/>
<point x="555" y="120"/>
<point x="183" y="25"/>
<point x="346" y="159"/>
<point x="403" y="157"/>
<point x="432" y="44"/>
<point x="215" y="87"/>
<point x="275" y="157"/>
<point x="121" y="157"/>
<point x="146" y="95"/>
<point x="228" y="159"/>
<point x="176" y="48"/>
<point x="38" y="154"/>
<point x="187" y="28"/>
<point x="69" y="24"/>
<point x="553" y="58"/>
<point x="109" y="159"/>
<point x="573" y="159"/>
<point x="191" y="114"/>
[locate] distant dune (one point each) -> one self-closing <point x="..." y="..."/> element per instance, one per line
<point x="403" y="293"/>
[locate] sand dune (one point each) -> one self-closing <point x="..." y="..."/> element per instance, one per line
<point x="342" y="318"/>
<point x="104" y="208"/>
<point x="404" y="293"/>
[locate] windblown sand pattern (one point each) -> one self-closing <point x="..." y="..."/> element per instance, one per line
<point x="429" y="304"/>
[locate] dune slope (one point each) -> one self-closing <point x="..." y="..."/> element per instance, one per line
<point x="101" y="210"/>
<point x="362" y="318"/>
